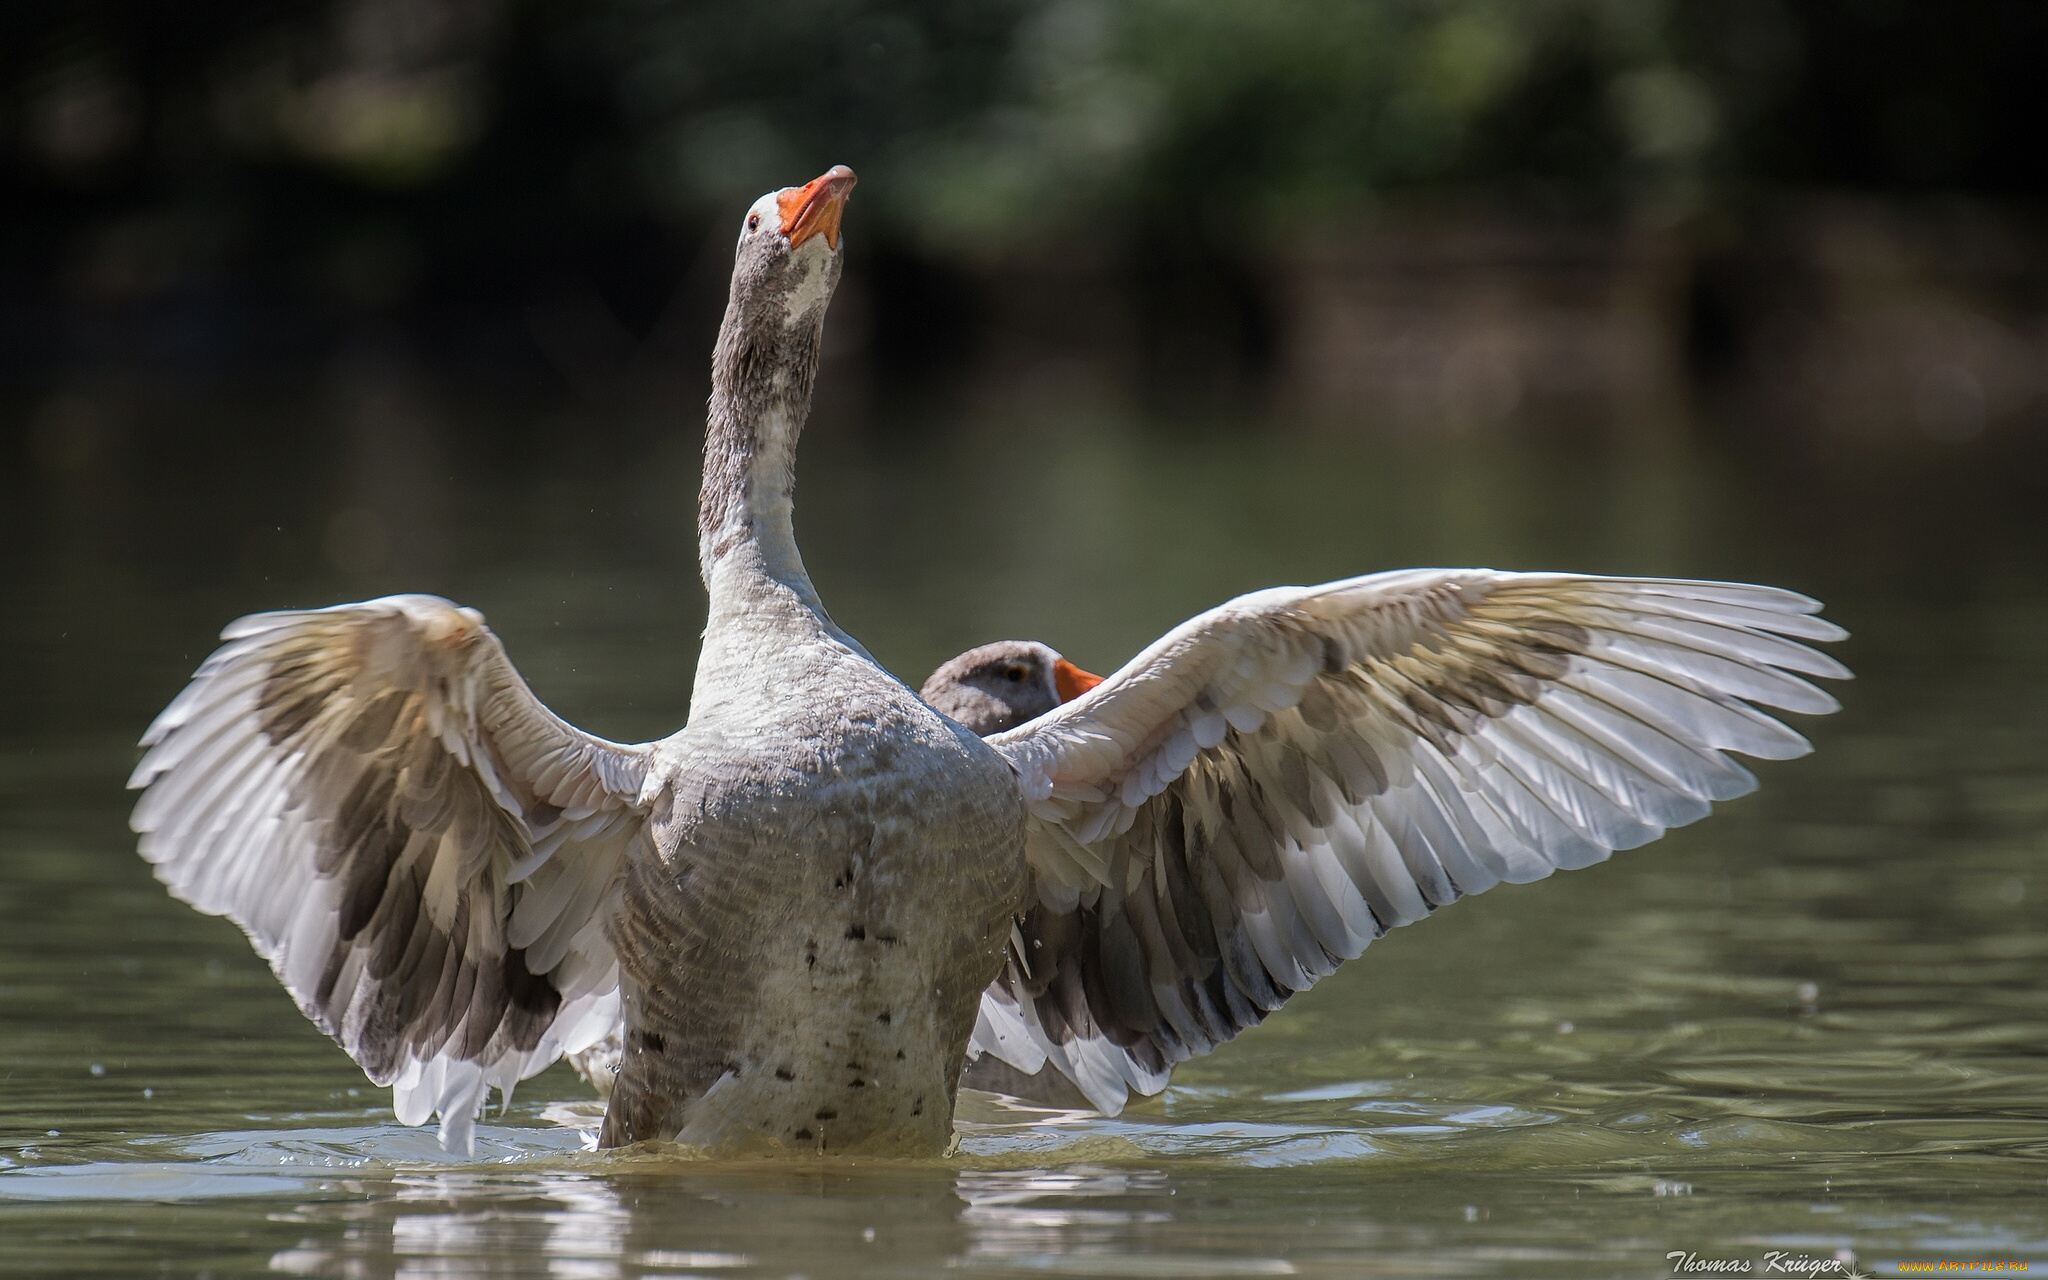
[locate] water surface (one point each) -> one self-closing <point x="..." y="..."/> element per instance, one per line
<point x="1813" y="1023"/>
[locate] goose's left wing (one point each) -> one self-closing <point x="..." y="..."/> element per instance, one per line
<point x="1281" y="780"/>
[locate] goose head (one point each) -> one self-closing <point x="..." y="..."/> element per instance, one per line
<point x="787" y="261"/>
<point x="1002" y="685"/>
<point x="785" y="267"/>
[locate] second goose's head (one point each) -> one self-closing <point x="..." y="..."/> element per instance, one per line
<point x="1002" y="685"/>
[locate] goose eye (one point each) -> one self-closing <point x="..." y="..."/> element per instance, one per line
<point x="1015" y="675"/>
<point x="753" y="222"/>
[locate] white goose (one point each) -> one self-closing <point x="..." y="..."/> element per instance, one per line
<point x="801" y="914"/>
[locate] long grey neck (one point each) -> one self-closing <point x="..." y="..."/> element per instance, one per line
<point x="761" y="394"/>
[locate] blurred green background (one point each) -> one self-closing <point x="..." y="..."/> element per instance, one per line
<point x="1815" y="215"/>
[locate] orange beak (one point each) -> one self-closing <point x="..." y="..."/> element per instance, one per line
<point x="814" y="208"/>
<point x="1071" y="681"/>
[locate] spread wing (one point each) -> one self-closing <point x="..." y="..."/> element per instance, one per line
<point x="423" y="852"/>
<point x="1278" y="782"/>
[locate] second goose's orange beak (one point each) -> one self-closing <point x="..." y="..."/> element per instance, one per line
<point x="814" y="208"/>
<point x="1071" y="681"/>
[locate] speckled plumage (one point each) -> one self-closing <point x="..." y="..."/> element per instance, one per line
<point x="836" y="871"/>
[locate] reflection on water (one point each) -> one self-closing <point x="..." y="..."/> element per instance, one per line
<point x="880" y="1222"/>
<point x="1814" y="1022"/>
<point x="576" y="1226"/>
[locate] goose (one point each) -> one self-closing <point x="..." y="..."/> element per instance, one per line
<point x="987" y="689"/>
<point x="799" y="916"/>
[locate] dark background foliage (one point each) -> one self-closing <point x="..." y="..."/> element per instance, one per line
<point x="528" y="192"/>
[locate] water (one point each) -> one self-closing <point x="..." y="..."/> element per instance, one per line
<point x="1811" y="1024"/>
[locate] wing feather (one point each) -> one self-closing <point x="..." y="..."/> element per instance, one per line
<point x="356" y="787"/>
<point x="1276" y="783"/>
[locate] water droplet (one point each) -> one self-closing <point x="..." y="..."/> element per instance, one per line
<point x="868" y="1234"/>
<point x="98" y="1069"/>
<point x="149" y="1093"/>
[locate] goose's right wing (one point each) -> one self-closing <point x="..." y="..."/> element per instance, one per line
<point x="1282" y="779"/>
<point x="424" y="853"/>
